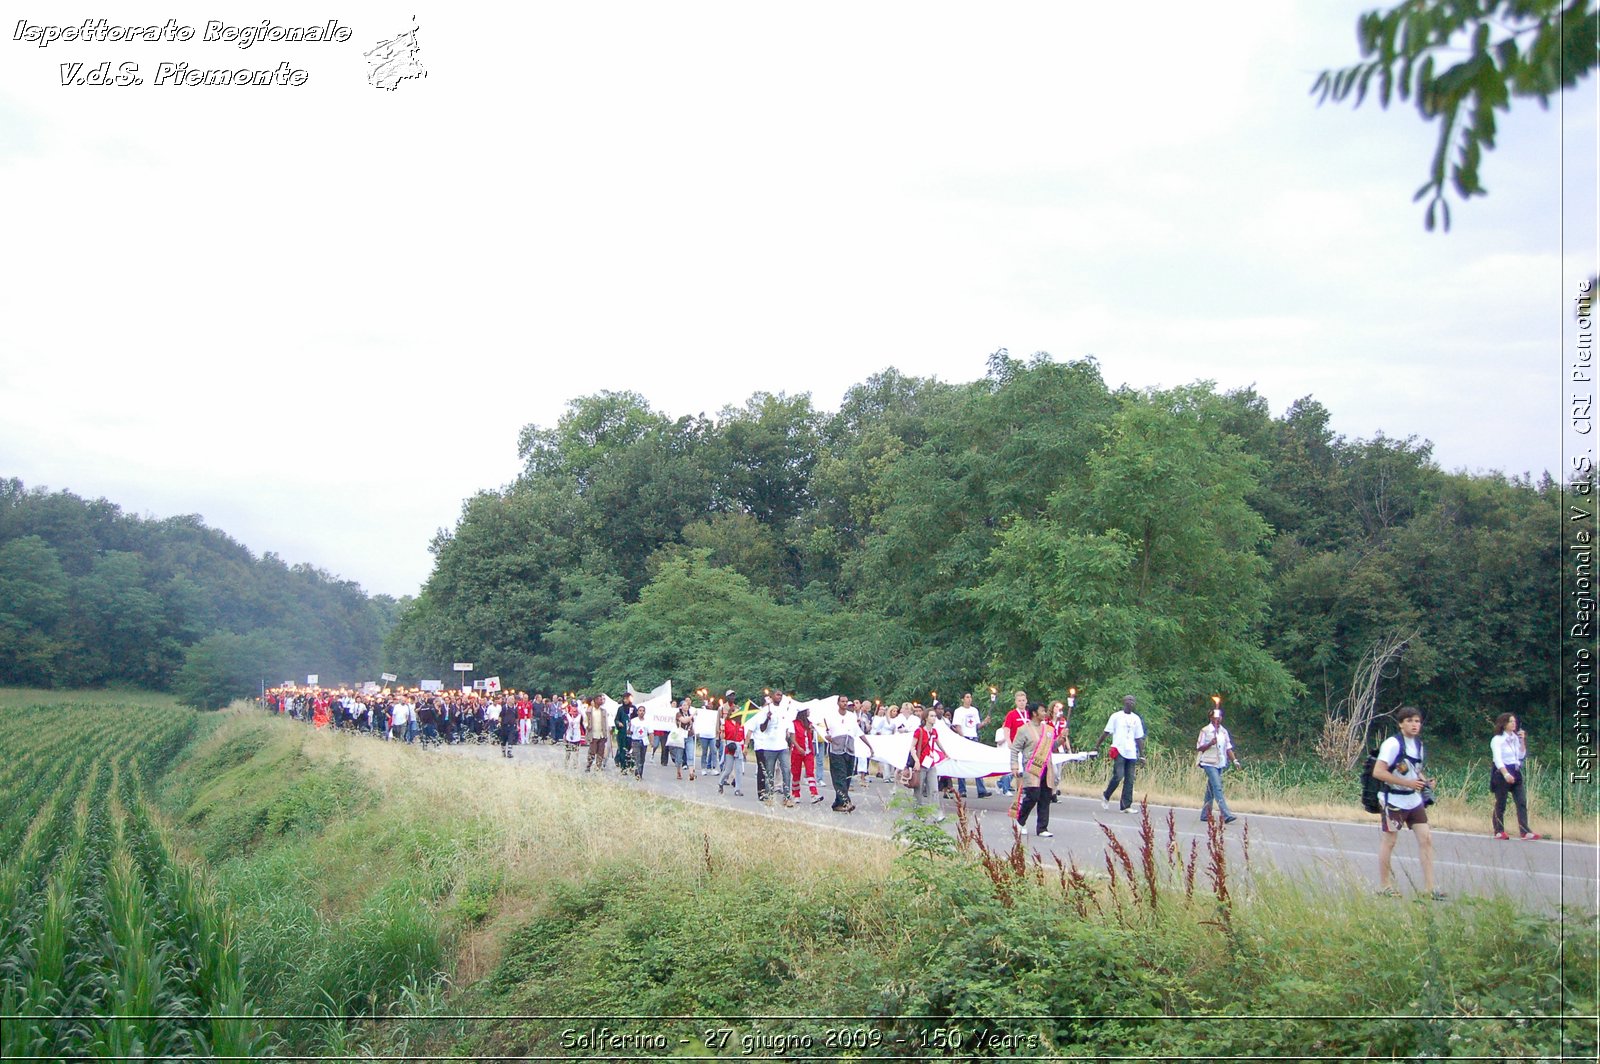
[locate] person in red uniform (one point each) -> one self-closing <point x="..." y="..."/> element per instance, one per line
<point x="803" y="754"/>
<point x="1014" y="720"/>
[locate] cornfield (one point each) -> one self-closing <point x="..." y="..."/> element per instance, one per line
<point x="111" y="945"/>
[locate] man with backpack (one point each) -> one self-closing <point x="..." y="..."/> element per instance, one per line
<point x="1403" y="800"/>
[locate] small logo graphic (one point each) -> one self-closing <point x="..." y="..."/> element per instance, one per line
<point x="395" y="60"/>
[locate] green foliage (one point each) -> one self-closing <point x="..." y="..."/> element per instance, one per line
<point x="92" y="596"/>
<point x="1029" y="529"/>
<point x="1507" y="49"/>
<point x="224" y="666"/>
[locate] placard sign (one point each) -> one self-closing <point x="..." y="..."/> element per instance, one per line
<point x="388" y="677"/>
<point x="463" y="666"/>
<point x="312" y="679"/>
<point x="492" y="684"/>
<point x="430" y="685"/>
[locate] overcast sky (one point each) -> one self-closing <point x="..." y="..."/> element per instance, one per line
<point x="319" y="315"/>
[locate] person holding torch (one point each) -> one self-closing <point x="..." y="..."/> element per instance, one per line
<point x="1214" y="754"/>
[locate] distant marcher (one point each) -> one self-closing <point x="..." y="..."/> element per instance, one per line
<point x="803" y="755"/>
<point x="572" y="730"/>
<point x="1036" y="771"/>
<point x="680" y="740"/>
<point x="621" y="720"/>
<point x="769" y="736"/>
<point x="1007" y="735"/>
<point x="638" y="740"/>
<point x="926" y="754"/>
<point x="1509" y="750"/>
<point x="969" y="722"/>
<point x="597" y="723"/>
<point x="732" y="752"/>
<point x="1125" y="732"/>
<point x="1402" y="801"/>
<point x="1214" y="754"/>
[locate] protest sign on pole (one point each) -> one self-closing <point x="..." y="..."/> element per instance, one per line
<point x="462" y="666"/>
<point x="388" y="677"/>
<point x="430" y="685"/>
<point x="312" y="679"/>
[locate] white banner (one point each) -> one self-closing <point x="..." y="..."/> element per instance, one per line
<point x="369" y="688"/>
<point x="640" y="698"/>
<point x="387" y="677"/>
<point x="312" y="679"/>
<point x="462" y="666"/>
<point x="431" y="685"/>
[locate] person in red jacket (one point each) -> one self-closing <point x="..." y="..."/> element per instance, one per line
<point x="1014" y="721"/>
<point x="803" y="754"/>
<point x="732" y="751"/>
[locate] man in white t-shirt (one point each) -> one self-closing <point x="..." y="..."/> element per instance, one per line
<point x="1403" y="804"/>
<point x="1125" y="733"/>
<point x="969" y="723"/>
<point x="768" y="732"/>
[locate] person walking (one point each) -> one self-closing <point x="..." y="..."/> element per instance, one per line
<point x="597" y="722"/>
<point x="1214" y="754"/>
<point x="769" y="737"/>
<point x="1036" y="772"/>
<point x="969" y="723"/>
<point x="1125" y="734"/>
<point x="926" y="753"/>
<point x="638" y="740"/>
<point x="1508" y="750"/>
<point x="803" y="755"/>
<point x="1402" y="801"/>
<point x="732" y="752"/>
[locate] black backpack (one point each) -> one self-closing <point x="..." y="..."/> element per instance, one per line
<point x="1371" y="786"/>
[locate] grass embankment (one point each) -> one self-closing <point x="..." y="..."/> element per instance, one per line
<point x="366" y="883"/>
<point x="370" y="878"/>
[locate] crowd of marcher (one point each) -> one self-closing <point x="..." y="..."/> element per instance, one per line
<point x="785" y="743"/>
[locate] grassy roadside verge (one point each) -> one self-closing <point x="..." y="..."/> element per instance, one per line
<point x="374" y="881"/>
<point x="384" y="901"/>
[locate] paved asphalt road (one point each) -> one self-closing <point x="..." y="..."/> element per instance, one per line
<point x="1552" y="873"/>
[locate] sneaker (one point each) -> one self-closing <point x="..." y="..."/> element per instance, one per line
<point x="1530" y="836"/>
<point x="984" y="794"/>
<point x="815" y="799"/>
<point x="1130" y="809"/>
<point x="1503" y="835"/>
<point x="1022" y="829"/>
<point x="788" y="803"/>
<point x="1045" y="835"/>
<point x="1204" y="819"/>
<point x="1229" y="819"/>
<point x="720" y="786"/>
<point x="1105" y="805"/>
<point x="1388" y="892"/>
<point x="939" y="819"/>
<point x="1438" y="895"/>
<point x="737" y="793"/>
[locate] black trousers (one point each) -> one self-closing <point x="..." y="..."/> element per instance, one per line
<point x="1031" y="797"/>
<point x="842" y="770"/>
<point x="1519" y="794"/>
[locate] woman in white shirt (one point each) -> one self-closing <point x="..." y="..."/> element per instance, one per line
<point x="1509" y="749"/>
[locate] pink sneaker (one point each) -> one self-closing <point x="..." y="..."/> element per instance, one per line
<point x="1530" y="836"/>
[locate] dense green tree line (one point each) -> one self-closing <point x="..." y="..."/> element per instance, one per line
<point x="90" y="596"/>
<point x="1033" y="527"/>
